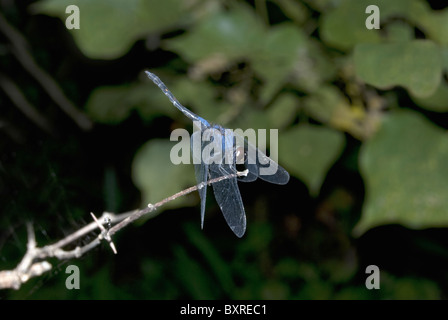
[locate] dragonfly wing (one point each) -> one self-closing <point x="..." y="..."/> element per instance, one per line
<point x="200" y="170"/>
<point x="262" y="166"/>
<point x="228" y="197"/>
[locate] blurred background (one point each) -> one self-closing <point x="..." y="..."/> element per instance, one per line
<point x="362" y="119"/>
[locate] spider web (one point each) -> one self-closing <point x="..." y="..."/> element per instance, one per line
<point x="56" y="221"/>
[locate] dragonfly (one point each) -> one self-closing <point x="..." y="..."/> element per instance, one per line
<point x="235" y="157"/>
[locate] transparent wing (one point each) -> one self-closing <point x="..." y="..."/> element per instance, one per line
<point x="228" y="197"/>
<point x="260" y="165"/>
<point x="200" y="169"/>
<point x="201" y="172"/>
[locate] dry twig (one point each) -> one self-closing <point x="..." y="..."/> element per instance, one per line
<point x="19" y="48"/>
<point x="35" y="261"/>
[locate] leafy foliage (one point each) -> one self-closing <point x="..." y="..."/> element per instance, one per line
<point x="416" y="65"/>
<point x="315" y="148"/>
<point x="117" y="24"/>
<point x="149" y="178"/>
<point x="406" y="156"/>
<point x="357" y="110"/>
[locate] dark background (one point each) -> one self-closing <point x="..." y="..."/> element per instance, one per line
<point x="296" y="246"/>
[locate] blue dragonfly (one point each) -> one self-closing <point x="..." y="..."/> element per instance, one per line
<point x="232" y="154"/>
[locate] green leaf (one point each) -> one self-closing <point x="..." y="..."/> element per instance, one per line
<point x="438" y="101"/>
<point x="345" y="26"/>
<point x="150" y="102"/>
<point x="157" y="177"/>
<point x="409" y="288"/>
<point x="431" y="22"/>
<point x="326" y="104"/>
<point x="415" y="65"/>
<point x="108" y="28"/>
<point x="405" y="172"/>
<point x="114" y="104"/>
<point x="253" y="119"/>
<point x="109" y="104"/>
<point x="314" y="67"/>
<point x="444" y="51"/>
<point x="232" y="34"/>
<point x="278" y="53"/>
<point x="238" y="35"/>
<point x="308" y="152"/>
<point x="399" y="31"/>
<point x="283" y="111"/>
<point x="295" y="10"/>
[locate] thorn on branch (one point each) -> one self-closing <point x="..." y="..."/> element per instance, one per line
<point x="33" y="263"/>
<point x="105" y="232"/>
